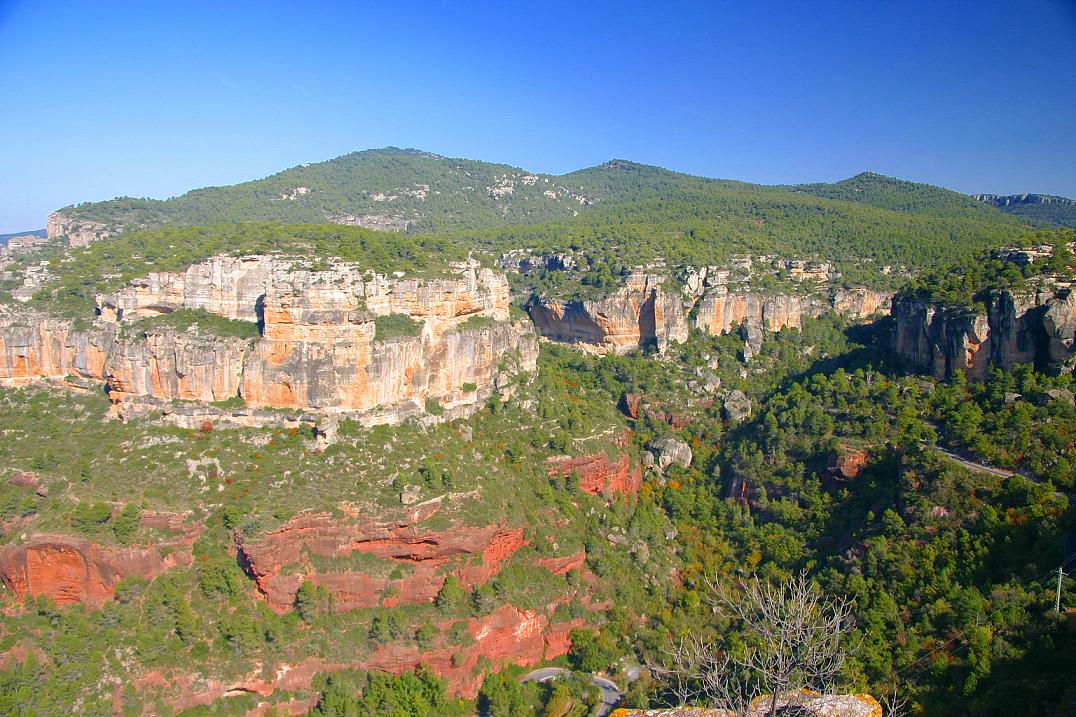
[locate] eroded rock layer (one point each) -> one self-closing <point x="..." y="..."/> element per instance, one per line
<point x="73" y="570"/>
<point x="417" y="560"/>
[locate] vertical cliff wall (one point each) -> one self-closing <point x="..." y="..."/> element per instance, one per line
<point x="641" y="313"/>
<point x="1015" y="328"/>
<point x="319" y="348"/>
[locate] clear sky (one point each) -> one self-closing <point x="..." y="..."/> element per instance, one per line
<point x="154" y="98"/>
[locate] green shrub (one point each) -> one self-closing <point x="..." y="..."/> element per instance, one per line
<point x="476" y="321"/>
<point x="395" y="326"/>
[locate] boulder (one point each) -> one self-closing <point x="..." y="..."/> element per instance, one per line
<point x="671" y="451"/>
<point x="737" y="406"/>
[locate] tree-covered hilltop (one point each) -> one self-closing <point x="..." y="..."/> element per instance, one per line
<point x="899" y="195"/>
<point x="398" y="189"/>
<point x="418" y="191"/>
<point x="966" y="283"/>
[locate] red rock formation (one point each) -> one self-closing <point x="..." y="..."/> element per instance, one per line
<point x="73" y="570"/>
<point x="846" y="464"/>
<point x="597" y="474"/>
<point x="564" y="564"/>
<point x="507" y="633"/>
<point x="636" y="405"/>
<point x="424" y="555"/>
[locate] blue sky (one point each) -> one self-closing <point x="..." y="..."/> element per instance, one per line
<point x="152" y="98"/>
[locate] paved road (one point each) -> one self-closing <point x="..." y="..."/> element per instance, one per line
<point x="610" y="693"/>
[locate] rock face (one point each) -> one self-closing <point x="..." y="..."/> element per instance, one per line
<point x="801" y="704"/>
<point x="737" y="406"/>
<point x="319" y="348"/>
<point x="524" y="637"/>
<point x="1034" y="328"/>
<point x="73" y="570"/>
<point x="670" y="451"/>
<point x="78" y="232"/>
<point x="422" y="558"/>
<point x="598" y="474"/>
<point x="641" y="313"/>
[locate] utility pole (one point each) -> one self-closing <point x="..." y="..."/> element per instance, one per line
<point x="1057" y="600"/>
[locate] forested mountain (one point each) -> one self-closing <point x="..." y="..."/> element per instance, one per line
<point x="256" y="460"/>
<point x="619" y="212"/>
<point x="406" y="189"/>
<point x="899" y="195"/>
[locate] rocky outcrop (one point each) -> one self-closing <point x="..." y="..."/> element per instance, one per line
<point x="736" y="406"/>
<point x="1036" y="328"/>
<point x="846" y="463"/>
<point x="77" y="231"/>
<point x="319" y="349"/>
<point x="720" y="311"/>
<point x="641" y="313"/>
<point x="801" y="704"/>
<point x="74" y="570"/>
<point x="671" y="451"/>
<point x="598" y="474"/>
<point x="280" y="561"/>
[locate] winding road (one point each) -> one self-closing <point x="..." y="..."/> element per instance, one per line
<point x="610" y="693"/>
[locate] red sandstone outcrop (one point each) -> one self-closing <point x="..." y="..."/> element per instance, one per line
<point x="564" y="564"/>
<point x="522" y="637"/>
<point x="422" y="557"/>
<point x="598" y="474"/>
<point x="71" y="570"/>
<point x="847" y="463"/>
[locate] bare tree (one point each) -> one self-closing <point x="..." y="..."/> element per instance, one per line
<point x="894" y="704"/>
<point x="795" y="639"/>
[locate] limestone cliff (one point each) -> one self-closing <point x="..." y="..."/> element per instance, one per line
<point x="644" y="313"/>
<point x="1015" y="328"/>
<point x="641" y="313"/>
<point x="77" y="231"/>
<point x="319" y="348"/>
